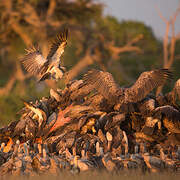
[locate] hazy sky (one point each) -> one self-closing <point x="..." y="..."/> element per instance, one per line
<point x="145" y="11"/>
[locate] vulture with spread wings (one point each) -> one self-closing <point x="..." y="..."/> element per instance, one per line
<point x="48" y="67"/>
<point x="104" y="83"/>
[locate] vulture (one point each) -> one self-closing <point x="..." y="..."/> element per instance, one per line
<point x="50" y="67"/>
<point x="124" y="98"/>
<point x="170" y="117"/>
<point x="170" y="97"/>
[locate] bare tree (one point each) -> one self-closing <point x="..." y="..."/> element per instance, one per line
<point x="90" y="59"/>
<point x="169" y="44"/>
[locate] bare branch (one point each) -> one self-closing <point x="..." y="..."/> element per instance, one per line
<point x="160" y="14"/>
<point x="89" y="59"/>
<point x="17" y="75"/>
<point x="127" y="48"/>
<point x="30" y="15"/>
<point x="165" y="44"/>
<point x="135" y="40"/>
<point x="18" y="29"/>
<point x="83" y="63"/>
<point x="51" y="8"/>
<point x="172" y="46"/>
<point x="9" y="85"/>
<point x="168" y="61"/>
<point x="173" y="18"/>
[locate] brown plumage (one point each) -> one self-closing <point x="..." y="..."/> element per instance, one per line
<point x="170" y="97"/>
<point x="20" y="127"/>
<point x="146" y="106"/>
<point x="170" y="117"/>
<point x="59" y="43"/>
<point x="36" y="64"/>
<point x="98" y="102"/>
<point x="77" y="90"/>
<point x="177" y="88"/>
<point x="104" y="83"/>
<point x="39" y="113"/>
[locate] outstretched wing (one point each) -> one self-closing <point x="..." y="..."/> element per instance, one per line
<point x="103" y="82"/>
<point x="33" y="61"/>
<point x="56" y="50"/>
<point x="146" y="82"/>
<point x="57" y="47"/>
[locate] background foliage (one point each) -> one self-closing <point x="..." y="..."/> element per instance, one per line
<point x="124" y="48"/>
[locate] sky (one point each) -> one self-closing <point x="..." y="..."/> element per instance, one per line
<point x="144" y="11"/>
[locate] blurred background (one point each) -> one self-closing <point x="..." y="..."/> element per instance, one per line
<point x="120" y="36"/>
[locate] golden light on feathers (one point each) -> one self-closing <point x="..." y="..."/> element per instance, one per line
<point x="36" y="64"/>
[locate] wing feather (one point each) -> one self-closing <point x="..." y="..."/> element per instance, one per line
<point x="146" y="82"/>
<point x="58" y="45"/>
<point x="33" y="61"/>
<point x="56" y="50"/>
<point x="103" y="82"/>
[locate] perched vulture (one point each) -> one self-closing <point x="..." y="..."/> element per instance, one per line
<point x="105" y="84"/>
<point x="170" y="118"/>
<point x="48" y="67"/>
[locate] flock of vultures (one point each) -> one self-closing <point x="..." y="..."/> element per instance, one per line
<point x="92" y="124"/>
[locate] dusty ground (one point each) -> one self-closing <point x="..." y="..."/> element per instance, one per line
<point x="103" y="176"/>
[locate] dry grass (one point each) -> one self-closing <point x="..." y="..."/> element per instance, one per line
<point x="102" y="176"/>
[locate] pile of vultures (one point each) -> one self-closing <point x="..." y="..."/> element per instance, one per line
<point x="93" y="124"/>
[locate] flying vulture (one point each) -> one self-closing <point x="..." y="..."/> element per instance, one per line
<point x="48" y="67"/>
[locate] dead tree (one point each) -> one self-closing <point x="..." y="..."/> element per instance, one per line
<point x="169" y="44"/>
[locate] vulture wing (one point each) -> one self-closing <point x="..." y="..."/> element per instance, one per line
<point x="33" y="61"/>
<point x="57" y="47"/>
<point x="146" y="82"/>
<point x="56" y="50"/>
<point x="104" y="83"/>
